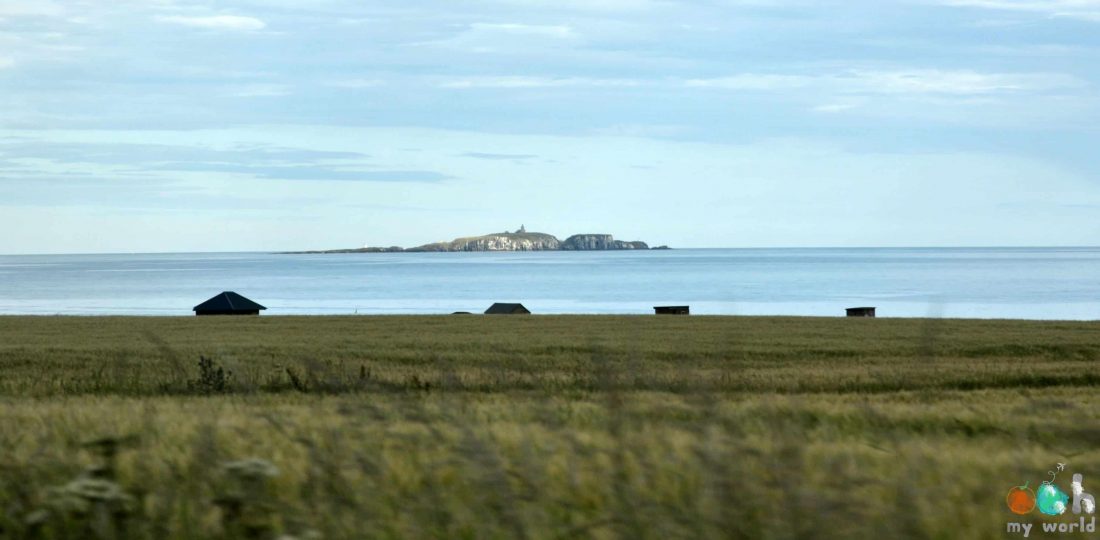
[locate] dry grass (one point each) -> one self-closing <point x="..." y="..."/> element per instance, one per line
<point x="539" y="427"/>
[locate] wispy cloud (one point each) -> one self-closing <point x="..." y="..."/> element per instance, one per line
<point x="752" y="81"/>
<point x="23" y="8"/>
<point x="155" y="163"/>
<point x="849" y="82"/>
<point x="501" y="157"/>
<point x="89" y="162"/>
<point x="216" y="22"/>
<point x="6" y="62"/>
<point x="354" y="83"/>
<point x="507" y="37"/>
<point x="260" y="90"/>
<point x="536" y="82"/>
<point x="70" y="153"/>
<point x="641" y="130"/>
<point x="932" y="81"/>
<point x="591" y="5"/>
<point x="1088" y="10"/>
<point x="911" y="81"/>
<point x="310" y="172"/>
<point x="834" y="107"/>
<point x="553" y="31"/>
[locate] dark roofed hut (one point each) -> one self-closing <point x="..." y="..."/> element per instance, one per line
<point x="672" y="310"/>
<point x="500" y="308"/>
<point x="228" y="303"/>
<point x="860" y="311"/>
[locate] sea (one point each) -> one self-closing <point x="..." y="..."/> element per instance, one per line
<point x="1014" y="283"/>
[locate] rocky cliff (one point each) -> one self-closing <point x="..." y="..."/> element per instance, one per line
<point x="524" y="241"/>
<point x="596" y="242"/>
<point x="520" y="240"/>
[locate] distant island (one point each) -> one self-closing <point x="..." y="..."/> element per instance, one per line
<point x="521" y="240"/>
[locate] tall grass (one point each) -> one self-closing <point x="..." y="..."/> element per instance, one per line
<point x="535" y="427"/>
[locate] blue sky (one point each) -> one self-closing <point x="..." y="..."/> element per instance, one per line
<point x="173" y="125"/>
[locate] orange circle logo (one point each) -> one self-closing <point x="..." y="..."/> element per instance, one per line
<point x="1021" y="499"/>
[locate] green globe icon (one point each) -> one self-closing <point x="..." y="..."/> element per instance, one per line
<point x="1051" y="500"/>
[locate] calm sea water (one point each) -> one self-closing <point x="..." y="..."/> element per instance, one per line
<point x="1034" y="283"/>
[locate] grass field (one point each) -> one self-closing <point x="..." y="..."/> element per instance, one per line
<point x="538" y="427"/>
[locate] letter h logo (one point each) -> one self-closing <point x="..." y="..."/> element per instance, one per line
<point x="1080" y="498"/>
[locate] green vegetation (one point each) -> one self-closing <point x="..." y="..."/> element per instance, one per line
<point x="537" y="427"/>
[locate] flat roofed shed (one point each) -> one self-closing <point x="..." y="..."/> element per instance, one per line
<point x="672" y="310"/>
<point x="865" y="311"/>
<point x="228" y="303"/>
<point x="501" y="308"/>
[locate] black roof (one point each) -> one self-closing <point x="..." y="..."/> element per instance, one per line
<point x="501" y="307"/>
<point x="228" y="301"/>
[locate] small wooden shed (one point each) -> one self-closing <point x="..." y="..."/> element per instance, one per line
<point x="228" y="303"/>
<point x="501" y="308"/>
<point x="860" y="311"/>
<point x="672" y="310"/>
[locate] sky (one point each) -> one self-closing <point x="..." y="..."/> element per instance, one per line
<point x="250" y="125"/>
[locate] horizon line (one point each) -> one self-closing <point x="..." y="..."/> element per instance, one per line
<point x="746" y="248"/>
